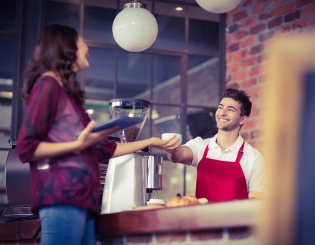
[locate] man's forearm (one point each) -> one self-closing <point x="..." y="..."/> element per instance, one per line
<point x="181" y="155"/>
<point x="173" y="156"/>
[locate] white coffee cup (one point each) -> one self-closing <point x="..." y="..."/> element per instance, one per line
<point x="166" y="136"/>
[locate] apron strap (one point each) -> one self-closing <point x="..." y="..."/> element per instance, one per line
<point x="240" y="153"/>
<point x="205" y="153"/>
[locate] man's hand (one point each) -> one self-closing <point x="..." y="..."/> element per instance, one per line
<point x="170" y="144"/>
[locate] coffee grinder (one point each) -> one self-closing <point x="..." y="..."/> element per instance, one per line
<point x="131" y="178"/>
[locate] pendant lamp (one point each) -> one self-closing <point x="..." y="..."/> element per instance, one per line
<point x="135" y="28"/>
<point x="218" y="6"/>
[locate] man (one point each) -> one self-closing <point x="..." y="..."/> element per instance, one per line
<point x="228" y="168"/>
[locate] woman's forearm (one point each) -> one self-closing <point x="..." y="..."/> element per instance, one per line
<point x="48" y="150"/>
<point x="126" y="148"/>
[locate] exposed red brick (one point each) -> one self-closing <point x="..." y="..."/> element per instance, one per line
<point x="273" y="3"/>
<point x="228" y="58"/>
<point x="255" y="112"/>
<point x="239" y="233"/>
<point x="244" y="134"/>
<point x="250" y="61"/>
<point x="170" y="237"/>
<point x="313" y="22"/>
<point x="232" y="67"/>
<point x="283" y="29"/>
<point x="228" y="39"/>
<point x="275" y="22"/>
<point x="249" y="83"/>
<point x="254" y="92"/>
<point x="283" y="9"/>
<point x="239" y="55"/>
<point x="240" y="75"/>
<point x="265" y="16"/>
<point x="228" y="79"/>
<point x="292" y="16"/>
<point x="250" y="124"/>
<point x="248" y="2"/>
<point x="235" y="10"/>
<point x="233" y="85"/>
<point x="265" y="36"/>
<point x="233" y="47"/>
<point x="255" y="133"/>
<point x="303" y="23"/>
<point x="23" y="242"/>
<point x="233" y="28"/>
<point x="240" y="35"/>
<point x="206" y="235"/>
<point x="249" y="21"/>
<point x="240" y="15"/>
<point x="248" y="42"/>
<point x="258" y="28"/>
<point x="309" y="10"/>
<point x="261" y="58"/>
<point x="111" y="240"/>
<point x="229" y="20"/>
<point x="256" y="70"/>
<point x="258" y="8"/>
<point x="253" y="144"/>
<point x="139" y="239"/>
<point x="257" y="49"/>
<point x="262" y="78"/>
<point x="300" y="3"/>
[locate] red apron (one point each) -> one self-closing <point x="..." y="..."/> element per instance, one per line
<point x="221" y="180"/>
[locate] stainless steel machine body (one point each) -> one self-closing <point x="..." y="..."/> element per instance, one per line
<point x="128" y="180"/>
<point x="132" y="177"/>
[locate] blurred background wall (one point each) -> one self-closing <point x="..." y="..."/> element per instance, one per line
<point x="249" y="27"/>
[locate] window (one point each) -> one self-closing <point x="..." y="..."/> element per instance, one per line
<point x="179" y="73"/>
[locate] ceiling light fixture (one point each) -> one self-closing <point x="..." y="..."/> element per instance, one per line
<point x="179" y="9"/>
<point x="218" y="6"/>
<point x="135" y="28"/>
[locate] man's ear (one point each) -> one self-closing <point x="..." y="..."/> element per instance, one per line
<point x="243" y="120"/>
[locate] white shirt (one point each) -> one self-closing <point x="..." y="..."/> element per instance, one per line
<point x="252" y="162"/>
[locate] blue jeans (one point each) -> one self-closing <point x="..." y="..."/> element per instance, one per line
<point x="66" y="224"/>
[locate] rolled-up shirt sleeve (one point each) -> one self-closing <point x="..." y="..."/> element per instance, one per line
<point x="39" y="117"/>
<point x="257" y="180"/>
<point x="105" y="150"/>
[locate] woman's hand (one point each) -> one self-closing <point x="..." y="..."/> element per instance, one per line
<point x="88" y="138"/>
<point x="169" y="145"/>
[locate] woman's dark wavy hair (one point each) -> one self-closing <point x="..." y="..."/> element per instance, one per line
<point x="55" y="51"/>
<point x="241" y="97"/>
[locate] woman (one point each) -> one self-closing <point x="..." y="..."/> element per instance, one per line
<point x="64" y="168"/>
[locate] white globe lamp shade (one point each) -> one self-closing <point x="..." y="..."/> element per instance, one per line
<point x="218" y="6"/>
<point x="135" y="28"/>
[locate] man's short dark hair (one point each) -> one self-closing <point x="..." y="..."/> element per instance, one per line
<point x="241" y="97"/>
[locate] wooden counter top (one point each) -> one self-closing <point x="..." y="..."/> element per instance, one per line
<point x="189" y="218"/>
<point x="197" y="217"/>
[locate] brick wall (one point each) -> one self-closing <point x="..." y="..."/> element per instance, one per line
<point x="249" y="26"/>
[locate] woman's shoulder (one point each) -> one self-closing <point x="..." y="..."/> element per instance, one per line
<point x="46" y="79"/>
<point x="47" y="83"/>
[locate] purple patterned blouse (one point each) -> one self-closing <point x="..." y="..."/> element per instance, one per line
<point x="74" y="178"/>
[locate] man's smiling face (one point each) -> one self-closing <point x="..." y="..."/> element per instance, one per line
<point x="228" y="115"/>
